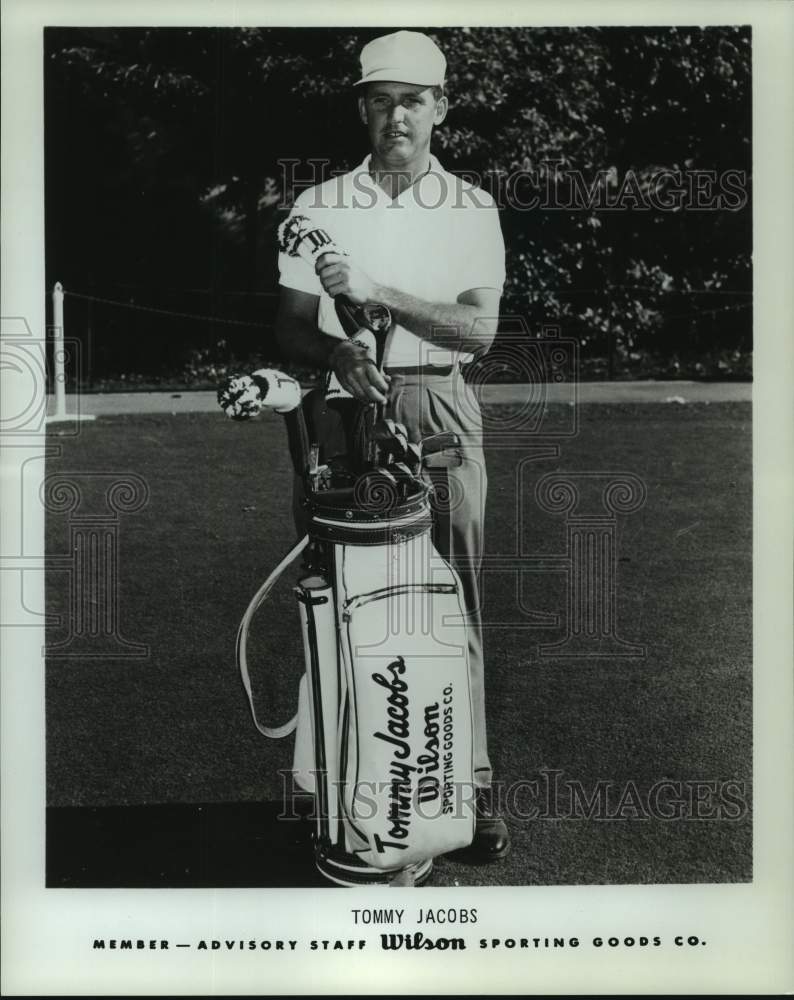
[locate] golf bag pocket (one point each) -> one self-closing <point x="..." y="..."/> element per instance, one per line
<point x="406" y="761"/>
<point x="303" y="765"/>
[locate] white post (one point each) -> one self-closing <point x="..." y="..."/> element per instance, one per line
<point x="58" y="352"/>
<point x="59" y="361"/>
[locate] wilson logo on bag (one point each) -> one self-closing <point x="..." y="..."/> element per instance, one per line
<point x="407" y="771"/>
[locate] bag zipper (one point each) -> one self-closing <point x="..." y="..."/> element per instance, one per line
<point x="353" y="603"/>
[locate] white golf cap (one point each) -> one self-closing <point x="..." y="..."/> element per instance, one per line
<point x="404" y="57"/>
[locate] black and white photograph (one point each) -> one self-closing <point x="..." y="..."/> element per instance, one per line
<point x="388" y="502"/>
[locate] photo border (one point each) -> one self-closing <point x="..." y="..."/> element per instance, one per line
<point x="748" y="928"/>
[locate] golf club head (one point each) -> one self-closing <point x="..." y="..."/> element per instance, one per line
<point x="402" y="473"/>
<point x="376" y="317"/>
<point x="413" y="455"/>
<point x="377" y="491"/>
<point x="398" y="446"/>
<point x="442" y="451"/>
<point x="384" y="430"/>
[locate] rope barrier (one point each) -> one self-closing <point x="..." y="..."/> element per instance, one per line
<point x="550" y="291"/>
<point x="133" y="287"/>
<point x="260" y="326"/>
<point x="165" y="312"/>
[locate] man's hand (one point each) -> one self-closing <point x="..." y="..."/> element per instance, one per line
<point x="358" y="373"/>
<point x="342" y="276"/>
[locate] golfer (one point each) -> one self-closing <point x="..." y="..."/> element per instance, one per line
<point x="429" y="246"/>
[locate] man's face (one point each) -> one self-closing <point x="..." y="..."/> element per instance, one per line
<point x="400" y="118"/>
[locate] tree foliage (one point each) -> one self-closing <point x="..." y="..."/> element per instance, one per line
<point x="165" y="177"/>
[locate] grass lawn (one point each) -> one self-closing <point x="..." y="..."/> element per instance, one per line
<point x="174" y="727"/>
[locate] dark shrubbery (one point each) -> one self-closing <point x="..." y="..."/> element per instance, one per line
<point x="165" y="182"/>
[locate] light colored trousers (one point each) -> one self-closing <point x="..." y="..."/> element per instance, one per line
<point x="429" y="404"/>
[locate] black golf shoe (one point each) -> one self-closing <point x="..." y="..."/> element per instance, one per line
<point x="491" y="837"/>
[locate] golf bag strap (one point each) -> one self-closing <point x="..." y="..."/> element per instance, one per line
<point x="259" y="598"/>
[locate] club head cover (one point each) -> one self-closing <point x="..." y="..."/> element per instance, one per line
<point x="299" y="236"/>
<point x="243" y="396"/>
<point x="240" y="397"/>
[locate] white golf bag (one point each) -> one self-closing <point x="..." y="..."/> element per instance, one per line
<point x="383" y="728"/>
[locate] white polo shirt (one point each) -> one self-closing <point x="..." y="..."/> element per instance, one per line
<point x="439" y="238"/>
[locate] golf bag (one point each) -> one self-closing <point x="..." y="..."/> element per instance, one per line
<point x="384" y="721"/>
<point x="384" y="727"/>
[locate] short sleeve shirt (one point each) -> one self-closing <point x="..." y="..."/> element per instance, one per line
<point x="438" y="238"/>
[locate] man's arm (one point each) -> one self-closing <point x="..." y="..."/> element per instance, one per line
<point x="467" y="325"/>
<point x="302" y="342"/>
<point x="297" y="333"/>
